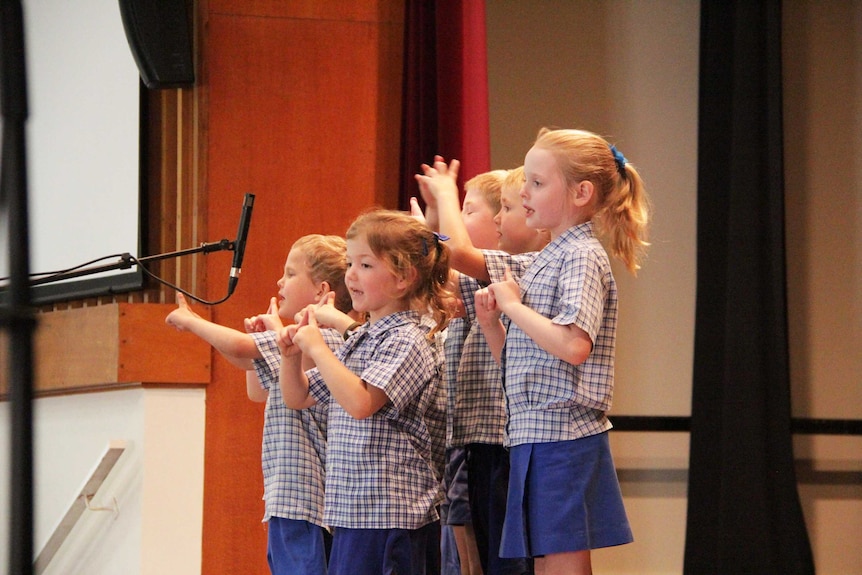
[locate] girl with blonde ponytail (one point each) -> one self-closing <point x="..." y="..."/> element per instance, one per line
<point x="557" y="346"/>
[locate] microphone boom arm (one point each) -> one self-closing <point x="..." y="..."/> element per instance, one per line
<point x="126" y="261"/>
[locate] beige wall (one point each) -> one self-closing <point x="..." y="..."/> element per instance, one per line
<point x="823" y="168"/>
<point x="628" y="70"/>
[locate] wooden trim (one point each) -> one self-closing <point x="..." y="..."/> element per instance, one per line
<point x="113" y="345"/>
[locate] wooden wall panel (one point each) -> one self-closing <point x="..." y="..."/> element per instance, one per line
<point x="303" y="110"/>
<point x="112" y="345"/>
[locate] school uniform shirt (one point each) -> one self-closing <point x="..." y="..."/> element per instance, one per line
<point x="549" y="399"/>
<point x="479" y="406"/>
<point x="437" y="413"/>
<point x="456" y="333"/>
<point x="380" y="470"/>
<point x="293" y="452"/>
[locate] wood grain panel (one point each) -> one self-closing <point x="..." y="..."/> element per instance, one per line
<point x="112" y="345"/>
<point x="303" y="110"/>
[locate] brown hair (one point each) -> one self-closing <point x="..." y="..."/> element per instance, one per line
<point x="622" y="206"/>
<point x="326" y="258"/>
<point x="405" y="243"/>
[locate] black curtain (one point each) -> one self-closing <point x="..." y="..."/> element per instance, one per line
<point x="744" y="514"/>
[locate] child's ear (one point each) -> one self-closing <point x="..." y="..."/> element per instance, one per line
<point x="583" y="193"/>
<point x="406" y="280"/>
<point x="322" y="288"/>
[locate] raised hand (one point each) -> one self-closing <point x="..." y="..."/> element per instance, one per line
<point x="181" y="317"/>
<point x="416" y="210"/>
<point x="327" y="315"/>
<point x="284" y="340"/>
<point x="438" y="180"/>
<point x="307" y="335"/>
<point x="265" y="321"/>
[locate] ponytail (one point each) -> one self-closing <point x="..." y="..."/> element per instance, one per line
<point x="625" y="217"/>
<point x="622" y="210"/>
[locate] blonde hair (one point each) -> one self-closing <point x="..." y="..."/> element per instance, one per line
<point x="326" y="259"/>
<point x="489" y="186"/>
<point x="405" y="243"/>
<point x="622" y="207"/>
<point x="514" y="179"/>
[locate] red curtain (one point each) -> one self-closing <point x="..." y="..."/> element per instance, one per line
<point x="445" y="92"/>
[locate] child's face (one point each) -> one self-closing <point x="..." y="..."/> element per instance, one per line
<point x="296" y="289"/>
<point x="513" y="235"/>
<point x="373" y="286"/>
<point x="479" y="220"/>
<point x="545" y="195"/>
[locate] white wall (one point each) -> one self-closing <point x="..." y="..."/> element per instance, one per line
<point x="157" y="484"/>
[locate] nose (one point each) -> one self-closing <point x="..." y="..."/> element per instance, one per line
<point x="523" y="192"/>
<point x="496" y="218"/>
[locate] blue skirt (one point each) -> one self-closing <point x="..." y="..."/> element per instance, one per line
<point x="563" y="496"/>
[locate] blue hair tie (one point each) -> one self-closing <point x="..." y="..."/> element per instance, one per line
<point x="437" y="239"/>
<point x="620" y="160"/>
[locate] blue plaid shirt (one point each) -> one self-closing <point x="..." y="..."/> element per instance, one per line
<point x="479" y="405"/>
<point x="293" y="453"/>
<point x="381" y="470"/>
<point x="548" y="399"/>
<point x="456" y="333"/>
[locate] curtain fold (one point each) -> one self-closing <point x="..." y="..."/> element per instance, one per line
<point x="445" y="89"/>
<point x="744" y="513"/>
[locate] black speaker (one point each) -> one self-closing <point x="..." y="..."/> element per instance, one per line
<point x="159" y="36"/>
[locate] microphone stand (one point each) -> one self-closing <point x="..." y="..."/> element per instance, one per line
<point x="18" y="315"/>
<point x="126" y="261"/>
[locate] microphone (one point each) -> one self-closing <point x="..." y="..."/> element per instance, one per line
<point x="239" y="244"/>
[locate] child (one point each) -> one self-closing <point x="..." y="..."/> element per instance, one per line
<point x="382" y="489"/>
<point x="479" y="416"/>
<point x="564" y="496"/>
<point x="480" y="208"/>
<point x="293" y="450"/>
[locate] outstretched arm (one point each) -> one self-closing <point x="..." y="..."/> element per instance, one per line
<point x="438" y="185"/>
<point x="238" y="347"/>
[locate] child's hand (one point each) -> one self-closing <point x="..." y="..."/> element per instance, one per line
<point x="265" y="321"/>
<point x="416" y="211"/>
<point x="505" y="293"/>
<point x="284" y="340"/>
<point x="487" y="311"/>
<point x="307" y="335"/>
<point x="181" y="317"/>
<point x="438" y="180"/>
<point x="327" y="315"/>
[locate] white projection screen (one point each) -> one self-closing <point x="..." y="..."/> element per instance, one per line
<point x="83" y="153"/>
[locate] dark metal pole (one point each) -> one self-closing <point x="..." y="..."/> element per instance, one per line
<point x="18" y="315"/>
